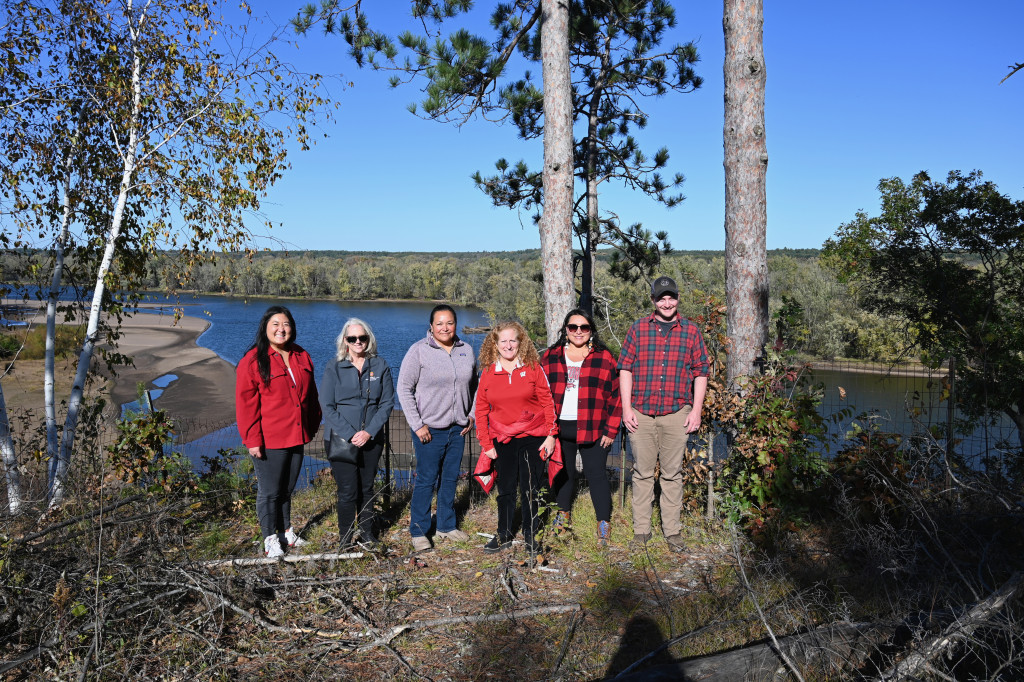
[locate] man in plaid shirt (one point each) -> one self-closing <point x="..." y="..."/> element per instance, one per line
<point x="663" y="376"/>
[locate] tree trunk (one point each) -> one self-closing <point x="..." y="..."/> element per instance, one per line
<point x="746" y="164"/>
<point x="590" y="175"/>
<point x="49" y="397"/>
<point x="12" y="476"/>
<point x="60" y="470"/>
<point x="556" y="223"/>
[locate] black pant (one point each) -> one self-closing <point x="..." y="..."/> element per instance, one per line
<point x="519" y="465"/>
<point x="595" y="467"/>
<point x="276" y="475"/>
<point x="355" y="492"/>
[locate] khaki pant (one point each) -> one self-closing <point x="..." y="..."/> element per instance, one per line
<point x="665" y="436"/>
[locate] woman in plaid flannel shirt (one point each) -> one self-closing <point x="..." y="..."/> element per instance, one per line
<point x="585" y="389"/>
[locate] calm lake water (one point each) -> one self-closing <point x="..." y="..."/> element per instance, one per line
<point x="397" y="325"/>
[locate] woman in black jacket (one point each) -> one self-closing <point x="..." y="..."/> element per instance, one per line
<point x="357" y="396"/>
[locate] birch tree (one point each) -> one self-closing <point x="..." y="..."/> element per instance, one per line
<point x="181" y="122"/>
<point x="746" y="165"/>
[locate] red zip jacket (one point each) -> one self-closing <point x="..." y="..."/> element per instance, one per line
<point x="600" y="405"/>
<point x="280" y="414"/>
<point x="504" y="397"/>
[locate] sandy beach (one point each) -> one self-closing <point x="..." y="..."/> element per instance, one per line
<point x="205" y="385"/>
<point x="204" y="390"/>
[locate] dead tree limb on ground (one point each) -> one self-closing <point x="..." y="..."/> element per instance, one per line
<point x="976" y="616"/>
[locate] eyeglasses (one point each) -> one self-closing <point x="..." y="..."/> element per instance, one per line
<point x="362" y="338"/>
<point x="578" y="327"/>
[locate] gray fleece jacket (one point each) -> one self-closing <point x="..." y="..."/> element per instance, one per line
<point x="436" y="388"/>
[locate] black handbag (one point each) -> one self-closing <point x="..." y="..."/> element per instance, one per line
<point x="342" y="450"/>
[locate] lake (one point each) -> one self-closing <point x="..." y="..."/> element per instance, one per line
<point x="396" y="324"/>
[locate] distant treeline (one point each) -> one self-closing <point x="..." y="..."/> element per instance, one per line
<point x="812" y="310"/>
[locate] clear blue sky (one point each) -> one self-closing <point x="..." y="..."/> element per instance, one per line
<point x="855" y="92"/>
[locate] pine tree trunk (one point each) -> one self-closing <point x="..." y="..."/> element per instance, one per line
<point x="590" y="173"/>
<point x="746" y="164"/>
<point x="556" y="223"/>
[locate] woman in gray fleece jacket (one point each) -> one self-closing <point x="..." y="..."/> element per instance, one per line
<point x="435" y="387"/>
<point x="357" y="395"/>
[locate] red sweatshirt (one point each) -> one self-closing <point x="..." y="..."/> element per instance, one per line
<point x="283" y="413"/>
<point x="504" y="397"/>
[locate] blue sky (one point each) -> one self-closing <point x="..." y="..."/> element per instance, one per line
<point x="855" y="92"/>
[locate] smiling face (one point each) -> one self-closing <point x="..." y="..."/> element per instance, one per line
<point x="443" y="327"/>
<point x="508" y="344"/>
<point x="577" y="331"/>
<point x="279" y="331"/>
<point x="666" y="307"/>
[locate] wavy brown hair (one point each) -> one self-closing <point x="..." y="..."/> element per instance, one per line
<point x="489" y="350"/>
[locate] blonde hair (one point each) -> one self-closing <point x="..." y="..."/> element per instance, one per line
<point x="489" y="350"/>
<point x="342" y="344"/>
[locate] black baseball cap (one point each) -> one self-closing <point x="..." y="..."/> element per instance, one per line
<point x="662" y="286"/>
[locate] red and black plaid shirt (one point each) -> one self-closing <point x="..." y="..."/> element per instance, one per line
<point x="663" y="366"/>
<point x="599" y="410"/>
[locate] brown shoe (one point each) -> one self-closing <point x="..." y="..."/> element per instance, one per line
<point x="675" y="543"/>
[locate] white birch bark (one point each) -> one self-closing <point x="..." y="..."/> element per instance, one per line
<point x="556" y="222"/>
<point x="130" y="151"/>
<point x="49" y="396"/>
<point x="12" y="477"/>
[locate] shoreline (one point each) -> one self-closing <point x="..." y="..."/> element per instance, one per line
<point x="204" y="390"/>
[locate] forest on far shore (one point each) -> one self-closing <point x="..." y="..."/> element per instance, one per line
<point x="812" y="310"/>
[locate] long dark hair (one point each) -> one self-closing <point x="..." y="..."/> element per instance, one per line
<point x="262" y="343"/>
<point x="595" y="341"/>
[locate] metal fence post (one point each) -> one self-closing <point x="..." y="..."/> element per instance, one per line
<point x="950" y="418"/>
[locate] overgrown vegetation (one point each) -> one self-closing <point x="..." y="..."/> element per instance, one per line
<point x="31" y="344"/>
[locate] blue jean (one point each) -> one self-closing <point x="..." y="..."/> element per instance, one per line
<point x="437" y="466"/>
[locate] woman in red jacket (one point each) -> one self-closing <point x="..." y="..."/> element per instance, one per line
<point x="585" y="389"/>
<point x="278" y="412"/>
<point x="515" y="422"/>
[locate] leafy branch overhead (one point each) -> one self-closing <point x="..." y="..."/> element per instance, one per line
<point x="134" y="129"/>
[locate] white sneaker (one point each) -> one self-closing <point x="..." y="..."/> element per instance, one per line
<point x="293" y="539"/>
<point x="420" y="543"/>
<point x="457" y="535"/>
<point x="272" y="547"/>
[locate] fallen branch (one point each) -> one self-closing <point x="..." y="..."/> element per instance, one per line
<point x="837" y="644"/>
<point x="291" y="559"/>
<point x="63" y="524"/>
<point x="491" y="618"/>
<point x="921" y="658"/>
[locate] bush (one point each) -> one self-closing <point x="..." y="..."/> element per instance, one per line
<point x="67" y="341"/>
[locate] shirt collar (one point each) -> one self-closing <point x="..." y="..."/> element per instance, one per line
<point x="499" y="368"/>
<point x="432" y="342"/>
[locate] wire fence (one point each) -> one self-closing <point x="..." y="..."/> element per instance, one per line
<point x="909" y="401"/>
<point x="913" y="402"/>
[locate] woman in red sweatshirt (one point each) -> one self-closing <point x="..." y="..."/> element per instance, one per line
<point x="515" y="423"/>
<point x="278" y="412"/>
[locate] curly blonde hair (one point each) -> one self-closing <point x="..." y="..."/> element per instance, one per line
<point x="527" y="355"/>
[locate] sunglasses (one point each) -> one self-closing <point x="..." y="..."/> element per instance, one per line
<point x="578" y="327"/>
<point x="362" y="338"/>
